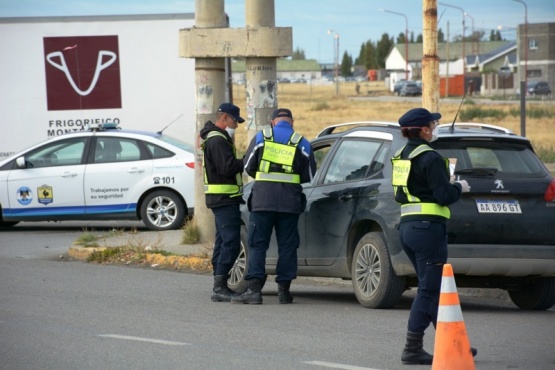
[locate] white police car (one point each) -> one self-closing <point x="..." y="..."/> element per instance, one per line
<point x="101" y="173"/>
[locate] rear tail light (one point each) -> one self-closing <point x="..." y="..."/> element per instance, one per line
<point x="550" y="192"/>
<point x="190" y="164"/>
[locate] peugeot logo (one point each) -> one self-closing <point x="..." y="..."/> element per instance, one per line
<point x="499" y="184"/>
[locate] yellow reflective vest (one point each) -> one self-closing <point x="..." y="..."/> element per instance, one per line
<point x="279" y="155"/>
<point x="399" y="180"/>
<point x="233" y="190"/>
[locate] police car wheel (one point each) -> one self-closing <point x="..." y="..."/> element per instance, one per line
<point x="236" y="280"/>
<point x="163" y="210"/>
<point x="374" y="281"/>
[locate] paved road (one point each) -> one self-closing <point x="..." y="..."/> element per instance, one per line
<point x="56" y="314"/>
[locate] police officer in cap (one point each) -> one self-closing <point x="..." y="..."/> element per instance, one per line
<point x="421" y="183"/>
<point x="223" y="193"/>
<point x="280" y="160"/>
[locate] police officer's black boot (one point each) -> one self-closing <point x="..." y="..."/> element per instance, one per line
<point x="221" y="292"/>
<point x="284" y="295"/>
<point x="413" y="354"/>
<point x="253" y="294"/>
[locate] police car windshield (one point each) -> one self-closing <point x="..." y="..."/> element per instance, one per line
<point x="178" y="143"/>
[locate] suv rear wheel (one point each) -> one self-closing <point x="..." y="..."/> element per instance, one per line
<point x="537" y="295"/>
<point x="374" y="281"/>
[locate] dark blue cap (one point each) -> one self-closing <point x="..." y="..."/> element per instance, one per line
<point x="232" y="110"/>
<point x="418" y="117"/>
<point x="282" y="112"/>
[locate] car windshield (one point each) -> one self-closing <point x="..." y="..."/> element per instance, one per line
<point x="178" y="143"/>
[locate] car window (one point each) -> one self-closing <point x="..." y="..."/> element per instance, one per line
<point x="113" y="149"/>
<point x="158" y="152"/>
<point x="351" y="160"/>
<point x="506" y="158"/>
<point x="59" y="153"/>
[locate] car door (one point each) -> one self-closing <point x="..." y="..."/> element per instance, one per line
<point x="341" y="189"/>
<point x="119" y="173"/>
<point x="50" y="186"/>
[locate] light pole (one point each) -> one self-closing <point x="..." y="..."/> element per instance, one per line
<point x="523" y="83"/>
<point x="525" y="44"/>
<point x="463" y="46"/>
<point x="406" y="40"/>
<point x="336" y="59"/>
<point x="474" y="52"/>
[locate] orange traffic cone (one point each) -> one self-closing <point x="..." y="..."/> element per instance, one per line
<point x="452" y="347"/>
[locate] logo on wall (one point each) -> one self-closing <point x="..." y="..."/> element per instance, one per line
<point x="45" y="194"/>
<point x="82" y="72"/>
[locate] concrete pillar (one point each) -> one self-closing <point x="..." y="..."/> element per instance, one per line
<point x="261" y="72"/>
<point x="430" y="60"/>
<point x="210" y="93"/>
<point x="210" y="42"/>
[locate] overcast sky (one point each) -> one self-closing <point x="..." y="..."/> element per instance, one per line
<point x="356" y="21"/>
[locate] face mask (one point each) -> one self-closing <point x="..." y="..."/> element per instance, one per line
<point x="434" y="133"/>
<point x="230" y="131"/>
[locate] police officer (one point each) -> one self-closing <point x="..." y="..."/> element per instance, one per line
<point x="422" y="185"/>
<point x="223" y="194"/>
<point x="280" y="160"/>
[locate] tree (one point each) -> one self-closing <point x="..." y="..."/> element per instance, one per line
<point x="419" y="39"/>
<point x="401" y="38"/>
<point x="298" y="54"/>
<point x="495" y="36"/>
<point x="440" y="36"/>
<point x="411" y="38"/>
<point x="367" y="56"/>
<point x="346" y="65"/>
<point x="382" y="49"/>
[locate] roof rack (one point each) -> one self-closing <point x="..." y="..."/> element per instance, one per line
<point x="348" y="125"/>
<point x="480" y="126"/>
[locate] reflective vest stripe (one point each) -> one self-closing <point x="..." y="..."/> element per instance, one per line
<point x="232" y="189"/>
<point x="278" y="177"/>
<point x="425" y="209"/>
<point x="221" y="189"/>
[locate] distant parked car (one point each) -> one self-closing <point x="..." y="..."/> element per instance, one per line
<point x="536" y="88"/>
<point x="398" y="86"/>
<point x="411" y="89"/>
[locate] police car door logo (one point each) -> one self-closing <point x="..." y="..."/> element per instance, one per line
<point x="45" y="194"/>
<point x="24" y="195"/>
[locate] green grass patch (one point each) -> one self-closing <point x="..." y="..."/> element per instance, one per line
<point x="468" y="114"/>
<point x="87" y="240"/>
<point x="191" y="232"/>
<point x="534" y="111"/>
<point x="105" y="255"/>
<point x="544" y="153"/>
<point x="320" y="106"/>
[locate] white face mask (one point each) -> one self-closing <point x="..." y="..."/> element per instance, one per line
<point x="230" y="131"/>
<point x="435" y="133"/>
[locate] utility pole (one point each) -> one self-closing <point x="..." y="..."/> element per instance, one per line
<point x="430" y="60"/>
<point x="210" y="42"/>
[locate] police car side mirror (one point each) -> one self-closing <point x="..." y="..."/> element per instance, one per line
<point x="21" y="163"/>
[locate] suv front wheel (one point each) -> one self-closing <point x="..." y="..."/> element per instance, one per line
<point x="374" y="281"/>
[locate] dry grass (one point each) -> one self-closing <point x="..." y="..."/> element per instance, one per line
<point x="316" y="107"/>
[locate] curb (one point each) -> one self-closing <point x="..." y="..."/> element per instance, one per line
<point x="82" y="253"/>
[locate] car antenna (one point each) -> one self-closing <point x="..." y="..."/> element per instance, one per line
<point x="178" y="117"/>
<point x="452" y="128"/>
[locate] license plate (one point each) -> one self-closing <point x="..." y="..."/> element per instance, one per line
<point x="497" y="206"/>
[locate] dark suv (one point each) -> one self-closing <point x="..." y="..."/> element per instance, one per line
<point x="501" y="234"/>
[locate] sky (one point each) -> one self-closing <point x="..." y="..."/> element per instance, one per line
<point x="355" y="21"/>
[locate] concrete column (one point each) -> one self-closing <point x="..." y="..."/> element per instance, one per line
<point x="210" y="93"/>
<point x="430" y="60"/>
<point x="261" y="72"/>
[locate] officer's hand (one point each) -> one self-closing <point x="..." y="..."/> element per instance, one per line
<point x="464" y="185"/>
